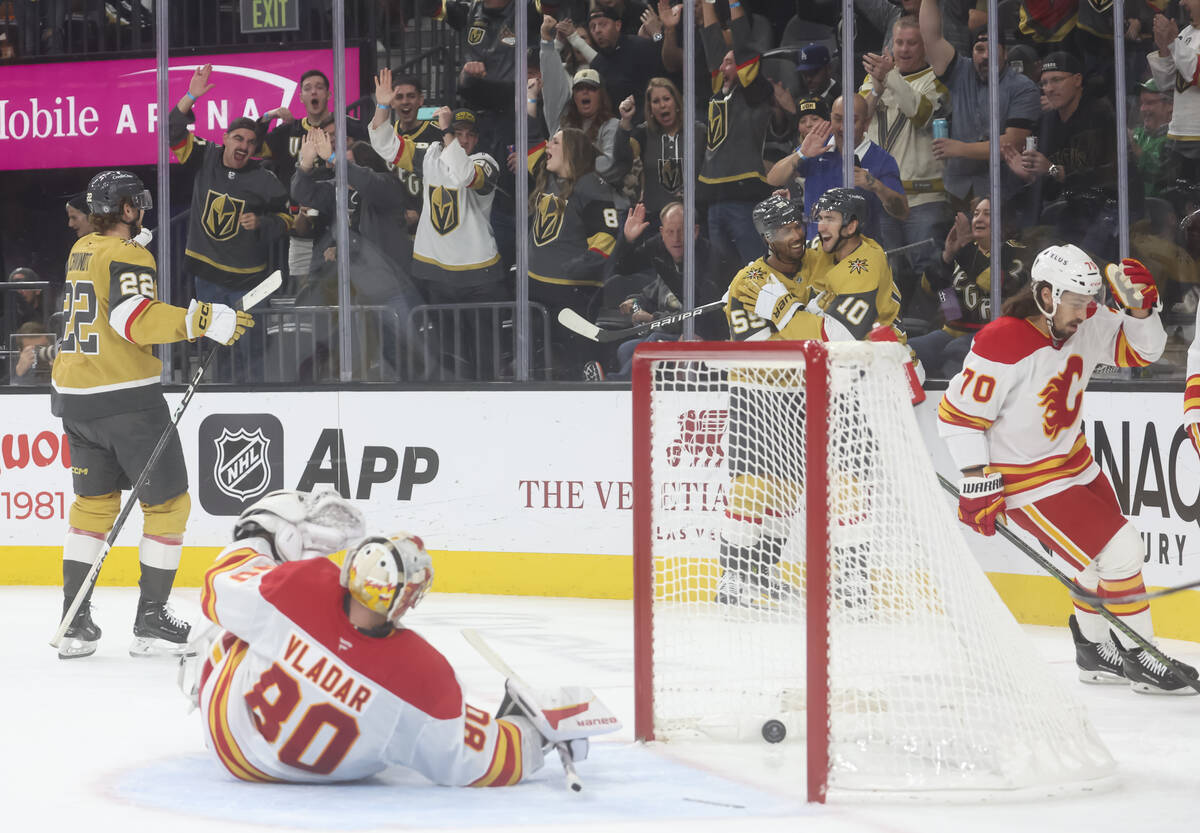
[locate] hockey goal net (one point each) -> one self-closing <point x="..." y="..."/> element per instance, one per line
<point x="795" y="561"/>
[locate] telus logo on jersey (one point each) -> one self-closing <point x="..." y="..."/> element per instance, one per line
<point x="241" y="459"/>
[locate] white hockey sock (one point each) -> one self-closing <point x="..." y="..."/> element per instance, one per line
<point x="160" y="551"/>
<point x="82" y="547"/>
<point x="1141" y="623"/>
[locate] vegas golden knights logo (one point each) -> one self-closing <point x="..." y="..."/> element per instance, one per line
<point x="1101" y="6"/>
<point x="443" y="208"/>
<point x="475" y="35"/>
<point x="548" y="222"/>
<point x="670" y="174"/>
<point x="718" y="123"/>
<point x="221" y="215"/>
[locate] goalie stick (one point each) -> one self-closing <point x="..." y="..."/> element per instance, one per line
<point x="475" y="638"/>
<point x="576" y="323"/>
<point x="255" y="296"/>
<point x="1092" y="600"/>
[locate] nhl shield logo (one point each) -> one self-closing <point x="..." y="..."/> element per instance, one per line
<point x="242" y="469"/>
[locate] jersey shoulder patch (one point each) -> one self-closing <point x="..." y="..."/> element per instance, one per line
<point x="1008" y="340"/>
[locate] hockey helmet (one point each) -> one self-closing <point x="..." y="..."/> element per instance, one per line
<point x="107" y="188"/>
<point x="388" y="575"/>
<point x="773" y="213"/>
<point x="849" y="202"/>
<point x="1065" y="268"/>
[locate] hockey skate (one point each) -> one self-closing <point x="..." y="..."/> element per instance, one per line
<point x="1149" y="676"/>
<point x="82" y="635"/>
<point x="1099" y="662"/>
<point x="158" y="632"/>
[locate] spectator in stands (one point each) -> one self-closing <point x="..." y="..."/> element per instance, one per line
<point x="1076" y="158"/>
<point x="1148" y="141"/>
<point x="819" y="162"/>
<point x="31" y="365"/>
<point x="811" y="112"/>
<point x="732" y="177"/>
<point x="883" y="14"/>
<point x="815" y="66"/>
<point x="965" y="152"/>
<point x="573" y="227"/>
<point x="239" y="211"/>
<point x="1175" y="67"/>
<point x="624" y="60"/>
<point x="903" y="95"/>
<point x="28" y="304"/>
<point x="660" y="138"/>
<point x="1023" y="59"/>
<point x="661" y="255"/>
<point x="583" y="103"/>
<point x="408" y="98"/>
<point x="78" y="218"/>
<point x="629" y="12"/>
<point x="282" y="147"/>
<point x="962" y="281"/>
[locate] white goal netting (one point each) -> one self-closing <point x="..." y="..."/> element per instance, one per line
<point x="932" y="685"/>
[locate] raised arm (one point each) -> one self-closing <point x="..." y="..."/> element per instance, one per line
<point x="938" y="51"/>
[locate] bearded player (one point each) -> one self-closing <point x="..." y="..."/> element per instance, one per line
<point x="314" y="677"/>
<point x="106" y="386"/>
<point x="1011" y="420"/>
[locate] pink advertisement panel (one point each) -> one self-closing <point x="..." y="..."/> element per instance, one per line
<point x="104" y="113"/>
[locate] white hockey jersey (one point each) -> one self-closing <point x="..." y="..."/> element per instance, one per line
<point x="454" y="239"/>
<point x="1015" y="406"/>
<point x="1180" y="71"/>
<point x="293" y="692"/>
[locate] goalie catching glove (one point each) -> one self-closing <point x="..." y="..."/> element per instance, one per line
<point x="216" y="321"/>
<point x="1132" y="284"/>
<point x="301" y="525"/>
<point x="567" y="716"/>
<point x="981" y="502"/>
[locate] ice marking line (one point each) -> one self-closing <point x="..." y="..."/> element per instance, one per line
<point x="715" y="803"/>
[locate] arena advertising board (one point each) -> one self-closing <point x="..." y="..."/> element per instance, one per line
<point x="535" y="472"/>
<point x="105" y="113"/>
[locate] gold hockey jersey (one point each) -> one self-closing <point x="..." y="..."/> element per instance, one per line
<point x="744" y="325"/>
<point x="858" y="290"/>
<point x="111" y="317"/>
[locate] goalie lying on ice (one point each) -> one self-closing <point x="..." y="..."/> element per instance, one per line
<point x="313" y="678"/>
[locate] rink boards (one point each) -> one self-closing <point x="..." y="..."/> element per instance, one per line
<point x="528" y="492"/>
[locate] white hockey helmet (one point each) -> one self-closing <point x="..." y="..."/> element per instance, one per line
<point x="388" y="575"/>
<point x="1066" y="268"/>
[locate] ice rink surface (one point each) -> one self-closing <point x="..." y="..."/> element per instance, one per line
<point x="106" y="744"/>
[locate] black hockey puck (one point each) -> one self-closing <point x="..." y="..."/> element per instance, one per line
<point x="773" y="731"/>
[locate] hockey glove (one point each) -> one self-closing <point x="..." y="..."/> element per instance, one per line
<point x="981" y="502"/>
<point x="216" y="321"/>
<point x="776" y="304"/>
<point x="1132" y="284"/>
<point x="746" y="290"/>
<point x="300" y="525"/>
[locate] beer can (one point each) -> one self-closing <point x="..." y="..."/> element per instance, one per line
<point x="1031" y="143"/>
<point x="941" y="129"/>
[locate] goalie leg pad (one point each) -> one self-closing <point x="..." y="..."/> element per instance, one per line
<point x="167" y="519"/>
<point x="95" y="513"/>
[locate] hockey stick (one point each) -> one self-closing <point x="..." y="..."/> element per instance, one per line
<point x="475" y="638"/>
<point x="256" y="295"/>
<point x="576" y="323"/>
<point x="1087" y="597"/>
<point x="1093" y="601"/>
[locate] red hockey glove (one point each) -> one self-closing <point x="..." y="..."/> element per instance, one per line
<point x="981" y="502"/>
<point x="1132" y="284"/>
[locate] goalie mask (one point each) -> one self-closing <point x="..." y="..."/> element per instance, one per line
<point x="388" y="575"/>
<point x="1065" y="269"/>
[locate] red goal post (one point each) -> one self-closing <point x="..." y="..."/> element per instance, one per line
<point x="903" y="672"/>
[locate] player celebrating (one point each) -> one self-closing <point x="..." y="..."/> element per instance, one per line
<point x="315" y="679"/>
<point x="1011" y="420"/>
<point x="105" y="385"/>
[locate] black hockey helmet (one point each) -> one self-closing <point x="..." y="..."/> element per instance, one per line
<point x="849" y="202"/>
<point x="106" y="189"/>
<point x="774" y="213"/>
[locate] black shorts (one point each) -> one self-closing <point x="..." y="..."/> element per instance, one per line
<point x="766" y="433"/>
<point x="109" y="453"/>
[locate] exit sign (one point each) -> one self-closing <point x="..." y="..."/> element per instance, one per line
<point x="270" y="16"/>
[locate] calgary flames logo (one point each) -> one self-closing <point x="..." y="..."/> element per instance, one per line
<point x="1061" y="409"/>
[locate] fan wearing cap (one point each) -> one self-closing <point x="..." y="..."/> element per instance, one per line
<point x="815" y="66"/>
<point x="1176" y="66"/>
<point x="582" y="102"/>
<point x="624" y="60"/>
<point x="903" y="96"/>
<point x="966" y="151"/>
<point x="810" y="113"/>
<point x="1149" y="139"/>
<point x="732" y="178"/>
